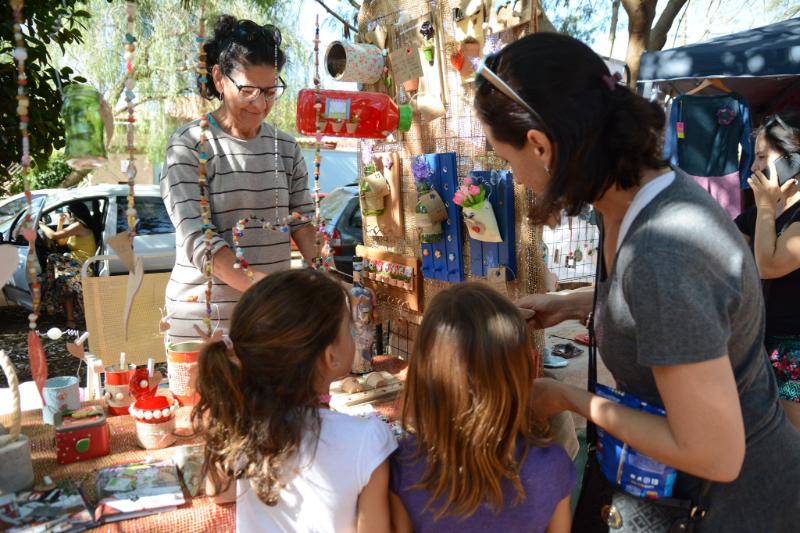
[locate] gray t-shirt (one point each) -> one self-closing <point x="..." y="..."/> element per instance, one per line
<point x="684" y="289"/>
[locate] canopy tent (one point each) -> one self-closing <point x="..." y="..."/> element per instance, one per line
<point x="761" y="64"/>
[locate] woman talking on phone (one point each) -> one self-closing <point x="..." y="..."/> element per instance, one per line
<point x="772" y="227"/>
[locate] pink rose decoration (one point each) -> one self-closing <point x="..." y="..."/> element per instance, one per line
<point x="468" y="181"/>
<point x="458" y="198"/>
<point x="474" y="190"/>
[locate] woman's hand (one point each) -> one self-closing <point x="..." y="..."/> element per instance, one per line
<point x="768" y="193"/>
<point x="552" y="309"/>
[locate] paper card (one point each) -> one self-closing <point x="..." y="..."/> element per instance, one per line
<point x="122" y="246"/>
<point x="8" y="263"/>
<point x="406" y="64"/>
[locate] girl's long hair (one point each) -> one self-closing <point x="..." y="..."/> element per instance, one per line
<point x="258" y="402"/>
<point x="467" y="398"/>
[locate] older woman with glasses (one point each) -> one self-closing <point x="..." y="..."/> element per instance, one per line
<point x="253" y="171"/>
<point x="679" y="317"/>
<point x="772" y="227"/>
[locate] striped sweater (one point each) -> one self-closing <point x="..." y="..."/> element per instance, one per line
<point x="242" y="181"/>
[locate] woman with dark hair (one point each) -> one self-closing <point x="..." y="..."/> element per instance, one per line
<point x="62" y="286"/>
<point x="772" y="227"/>
<point x="679" y="314"/>
<point x="251" y="168"/>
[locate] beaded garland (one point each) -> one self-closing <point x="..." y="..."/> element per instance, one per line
<point x="130" y="83"/>
<point x="320" y="235"/>
<point x="23" y="102"/>
<point x="205" y="210"/>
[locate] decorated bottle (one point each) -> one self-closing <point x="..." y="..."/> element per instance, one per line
<point x="362" y="307"/>
<point x="361" y="115"/>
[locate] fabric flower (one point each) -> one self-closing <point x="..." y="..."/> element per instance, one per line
<point x="474" y="190"/>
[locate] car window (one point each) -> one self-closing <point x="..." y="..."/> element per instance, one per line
<point x="332" y="205"/>
<point x="151" y="212"/>
<point x="15" y="223"/>
<point x="355" y="218"/>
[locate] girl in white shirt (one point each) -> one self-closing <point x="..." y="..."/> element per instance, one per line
<point x="297" y="465"/>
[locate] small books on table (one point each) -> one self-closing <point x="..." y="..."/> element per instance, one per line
<point x="59" y="509"/>
<point x="130" y="491"/>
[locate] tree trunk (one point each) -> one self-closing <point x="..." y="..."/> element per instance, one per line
<point x="658" y="35"/>
<point x="640" y="16"/>
<point x="74" y="178"/>
<point x="612" y="33"/>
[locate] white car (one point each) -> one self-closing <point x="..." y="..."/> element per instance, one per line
<point x="154" y="241"/>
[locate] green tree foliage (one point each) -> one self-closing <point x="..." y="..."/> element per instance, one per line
<point x="47" y="24"/>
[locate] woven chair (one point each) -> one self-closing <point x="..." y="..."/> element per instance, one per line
<point x="104" y="305"/>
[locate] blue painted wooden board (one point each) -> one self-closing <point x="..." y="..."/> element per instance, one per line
<point x="486" y="255"/>
<point x="449" y="265"/>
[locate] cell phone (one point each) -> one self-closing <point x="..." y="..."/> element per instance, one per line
<point x="787" y="167"/>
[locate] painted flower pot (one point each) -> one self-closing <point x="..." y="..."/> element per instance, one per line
<point x="374" y="189"/>
<point x="351" y="127"/>
<point x="481" y="222"/>
<point x="182" y="360"/>
<point x="117" y="389"/>
<point x="336" y="126"/>
<point x="429" y="214"/>
<point x="361" y="63"/>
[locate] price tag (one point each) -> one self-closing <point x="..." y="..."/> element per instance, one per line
<point x="497" y="279"/>
<point x="406" y="64"/>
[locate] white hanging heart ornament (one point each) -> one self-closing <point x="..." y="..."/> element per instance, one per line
<point x="8" y="263"/>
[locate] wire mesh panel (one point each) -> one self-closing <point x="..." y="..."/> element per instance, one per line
<point x="569" y="249"/>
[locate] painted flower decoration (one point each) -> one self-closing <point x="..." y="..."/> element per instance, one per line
<point x="422" y="173"/>
<point x="469" y="194"/>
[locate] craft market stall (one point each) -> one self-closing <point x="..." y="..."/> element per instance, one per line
<point x="438" y="209"/>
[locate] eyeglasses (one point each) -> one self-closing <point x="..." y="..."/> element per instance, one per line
<point x="248" y="31"/>
<point x="249" y="93"/>
<point x="775" y="119"/>
<point x="484" y="73"/>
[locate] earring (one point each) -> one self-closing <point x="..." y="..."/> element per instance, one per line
<point x="547" y="169"/>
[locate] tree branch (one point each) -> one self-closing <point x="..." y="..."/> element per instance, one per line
<point x="658" y="35"/>
<point x="338" y="17"/>
<point x="355" y="4"/>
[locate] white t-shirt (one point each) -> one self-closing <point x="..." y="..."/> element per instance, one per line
<point x="323" y="497"/>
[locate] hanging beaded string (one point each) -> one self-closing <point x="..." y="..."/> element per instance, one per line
<point x="281" y="224"/>
<point x="319" y="263"/>
<point x="23" y="102"/>
<point x="205" y="210"/>
<point x="130" y="83"/>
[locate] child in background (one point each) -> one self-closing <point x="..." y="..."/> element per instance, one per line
<point x="297" y="465"/>
<point x="474" y="460"/>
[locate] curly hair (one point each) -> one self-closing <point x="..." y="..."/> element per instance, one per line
<point x="258" y="402"/>
<point x="238" y="44"/>
<point x="603" y="136"/>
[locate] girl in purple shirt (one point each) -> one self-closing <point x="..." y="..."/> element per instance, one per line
<point x="474" y="459"/>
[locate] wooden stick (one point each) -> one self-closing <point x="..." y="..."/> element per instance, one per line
<point x="13" y="383"/>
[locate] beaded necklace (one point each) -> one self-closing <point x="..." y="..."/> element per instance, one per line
<point x="23" y="102"/>
<point x="130" y="83"/>
<point x="205" y="210"/>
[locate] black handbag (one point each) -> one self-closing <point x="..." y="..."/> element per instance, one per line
<point x="603" y="507"/>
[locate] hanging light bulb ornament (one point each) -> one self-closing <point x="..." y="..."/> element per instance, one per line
<point x="130" y="83"/>
<point x="205" y="209"/>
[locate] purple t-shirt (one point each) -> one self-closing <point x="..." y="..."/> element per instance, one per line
<point x="548" y="476"/>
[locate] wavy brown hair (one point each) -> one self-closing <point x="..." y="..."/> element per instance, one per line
<point x="258" y="402"/>
<point x="467" y="399"/>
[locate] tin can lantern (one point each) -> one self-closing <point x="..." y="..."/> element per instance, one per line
<point x="117" y="389"/>
<point x="361" y="63"/>
<point x="154" y="415"/>
<point x="60" y="395"/>
<point x="83" y="132"/>
<point x="182" y="360"/>
<point x="82" y="434"/>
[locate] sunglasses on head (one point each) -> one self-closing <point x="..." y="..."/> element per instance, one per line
<point x="248" y="31"/>
<point x="484" y="73"/>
